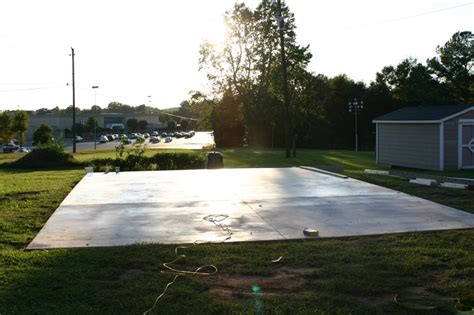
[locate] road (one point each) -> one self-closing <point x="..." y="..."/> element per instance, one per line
<point x="198" y="141"/>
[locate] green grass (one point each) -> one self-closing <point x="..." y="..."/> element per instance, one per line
<point x="356" y="275"/>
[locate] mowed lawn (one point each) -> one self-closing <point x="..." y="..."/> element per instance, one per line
<point x="322" y="276"/>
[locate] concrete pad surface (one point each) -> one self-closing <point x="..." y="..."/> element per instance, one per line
<point x="261" y="204"/>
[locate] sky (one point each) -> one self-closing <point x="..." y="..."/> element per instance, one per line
<point x="141" y="48"/>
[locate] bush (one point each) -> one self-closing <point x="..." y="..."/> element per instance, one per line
<point x="160" y="161"/>
<point x="44" y="157"/>
<point x="43" y="134"/>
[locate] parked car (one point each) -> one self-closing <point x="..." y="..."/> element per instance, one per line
<point x="155" y="133"/>
<point x="23" y="150"/>
<point x="132" y="136"/>
<point x="164" y="135"/>
<point x="146" y="135"/>
<point x="103" y="139"/>
<point x="168" y="139"/>
<point x="10" y="147"/>
<point x="155" y="139"/>
<point x="79" y="139"/>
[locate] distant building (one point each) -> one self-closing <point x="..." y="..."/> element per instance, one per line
<point x="59" y="123"/>
<point x="427" y="137"/>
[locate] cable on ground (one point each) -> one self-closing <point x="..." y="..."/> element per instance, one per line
<point x="217" y="220"/>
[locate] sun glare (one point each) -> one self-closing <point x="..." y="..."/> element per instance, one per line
<point x="214" y="30"/>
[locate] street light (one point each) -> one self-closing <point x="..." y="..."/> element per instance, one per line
<point x="355" y="107"/>
<point x="73" y="104"/>
<point x="95" y="87"/>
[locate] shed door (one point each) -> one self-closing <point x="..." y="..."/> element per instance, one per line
<point x="467" y="145"/>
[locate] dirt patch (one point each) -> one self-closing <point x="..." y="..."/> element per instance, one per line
<point x="20" y="196"/>
<point x="236" y="286"/>
<point x="436" y="278"/>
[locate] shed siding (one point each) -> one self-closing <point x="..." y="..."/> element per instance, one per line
<point x="409" y="145"/>
<point x="451" y="140"/>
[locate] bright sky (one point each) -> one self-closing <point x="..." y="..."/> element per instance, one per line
<point x="133" y="49"/>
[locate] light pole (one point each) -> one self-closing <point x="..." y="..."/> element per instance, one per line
<point x="286" y="95"/>
<point x="73" y="104"/>
<point x="354" y="107"/>
<point x="95" y="87"/>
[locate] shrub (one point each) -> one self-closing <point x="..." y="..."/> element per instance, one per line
<point x="160" y="161"/>
<point x="43" y="134"/>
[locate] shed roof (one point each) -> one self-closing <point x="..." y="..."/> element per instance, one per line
<point x="424" y="113"/>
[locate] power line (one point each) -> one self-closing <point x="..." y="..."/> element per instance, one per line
<point x="32" y="89"/>
<point x="159" y="110"/>
<point x="427" y="13"/>
<point x="413" y="16"/>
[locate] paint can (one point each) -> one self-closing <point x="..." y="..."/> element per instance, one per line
<point x="310" y="232"/>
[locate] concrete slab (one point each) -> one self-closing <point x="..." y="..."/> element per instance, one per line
<point x="262" y="204"/>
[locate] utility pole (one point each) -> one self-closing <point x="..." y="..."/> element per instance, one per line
<point x="73" y="105"/>
<point x="286" y="95"/>
<point x="95" y="87"/>
<point x="355" y="107"/>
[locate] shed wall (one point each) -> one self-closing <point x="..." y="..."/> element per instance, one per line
<point x="409" y="145"/>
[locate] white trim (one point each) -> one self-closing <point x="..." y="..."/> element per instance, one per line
<point x="424" y="121"/>
<point x="459" y="146"/>
<point x="461" y="123"/>
<point x="377" y="143"/>
<point x="441" y="146"/>
<point x="406" y="121"/>
<point x="457" y="114"/>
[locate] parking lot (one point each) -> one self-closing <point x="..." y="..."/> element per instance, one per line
<point x="198" y="141"/>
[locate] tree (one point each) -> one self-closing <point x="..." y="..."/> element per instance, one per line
<point x="171" y="125"/>
<point x="248" y="68"/>
<point x="96" y="109"/>
<point x="411" y="83"/>
<point x="6" y="123"/>
<point x="20" y="125"/>
<point x="132" y="124"/>
<point x="91" y="124"/>
<point x="43" y="134"/>
<point x="142" y="125"/>
<point x="184" y="124"/>
<point x="79" y="128"/>
<point x="453" y="67"/>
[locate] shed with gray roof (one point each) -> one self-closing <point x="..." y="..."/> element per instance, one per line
<point x="427" y="137"/>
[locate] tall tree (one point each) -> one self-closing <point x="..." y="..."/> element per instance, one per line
<point x="6" y="131"/>
<point x="20" y="125"/>
<point x="248" y="66"/>
<point x="453" y="66"/>
<point x="411" y="83"/>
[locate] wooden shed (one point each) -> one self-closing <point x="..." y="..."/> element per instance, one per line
<point x="427" y="137"/>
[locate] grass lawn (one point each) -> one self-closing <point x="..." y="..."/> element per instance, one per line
<point x="323" y="276"/>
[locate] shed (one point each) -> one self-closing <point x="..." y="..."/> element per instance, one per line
<point x="427" y="137"/>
